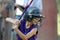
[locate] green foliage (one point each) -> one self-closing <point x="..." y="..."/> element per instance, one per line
<point x="58" y="23"/>
<point x="58" y="5"/>
<point x="58" y="37"/>
<point x="58" y="18"/>
<point x="58" y="1"/>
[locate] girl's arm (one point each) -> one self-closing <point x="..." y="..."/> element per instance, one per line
<point x="23" y="36"/>
<point x="15" y="27"/>
<point x="31" y="33"/>
<point x="13" y="21"/>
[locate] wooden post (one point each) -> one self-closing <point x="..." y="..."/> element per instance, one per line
<point x="48" y="31"/>
<point x="6" y="27"/>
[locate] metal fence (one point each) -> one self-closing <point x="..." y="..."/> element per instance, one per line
<point x="5" y="27"/>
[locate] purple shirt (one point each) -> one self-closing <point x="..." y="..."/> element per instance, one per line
<point x="25" y="30"/>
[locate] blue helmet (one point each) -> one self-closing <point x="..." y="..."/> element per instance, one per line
<point x="31" y="13"/>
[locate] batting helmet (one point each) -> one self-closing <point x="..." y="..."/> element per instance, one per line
<point x="31" y="13"/>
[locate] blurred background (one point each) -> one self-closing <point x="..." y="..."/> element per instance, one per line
<point x="7" y="34"/>
<point x="58" y="19"/>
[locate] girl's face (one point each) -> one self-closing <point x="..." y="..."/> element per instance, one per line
<point x="35" y="20"/>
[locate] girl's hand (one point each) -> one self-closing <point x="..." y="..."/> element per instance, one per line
<point x="15" y="27"/>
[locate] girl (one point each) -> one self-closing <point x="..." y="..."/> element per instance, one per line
<point x="28" y="27"/>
